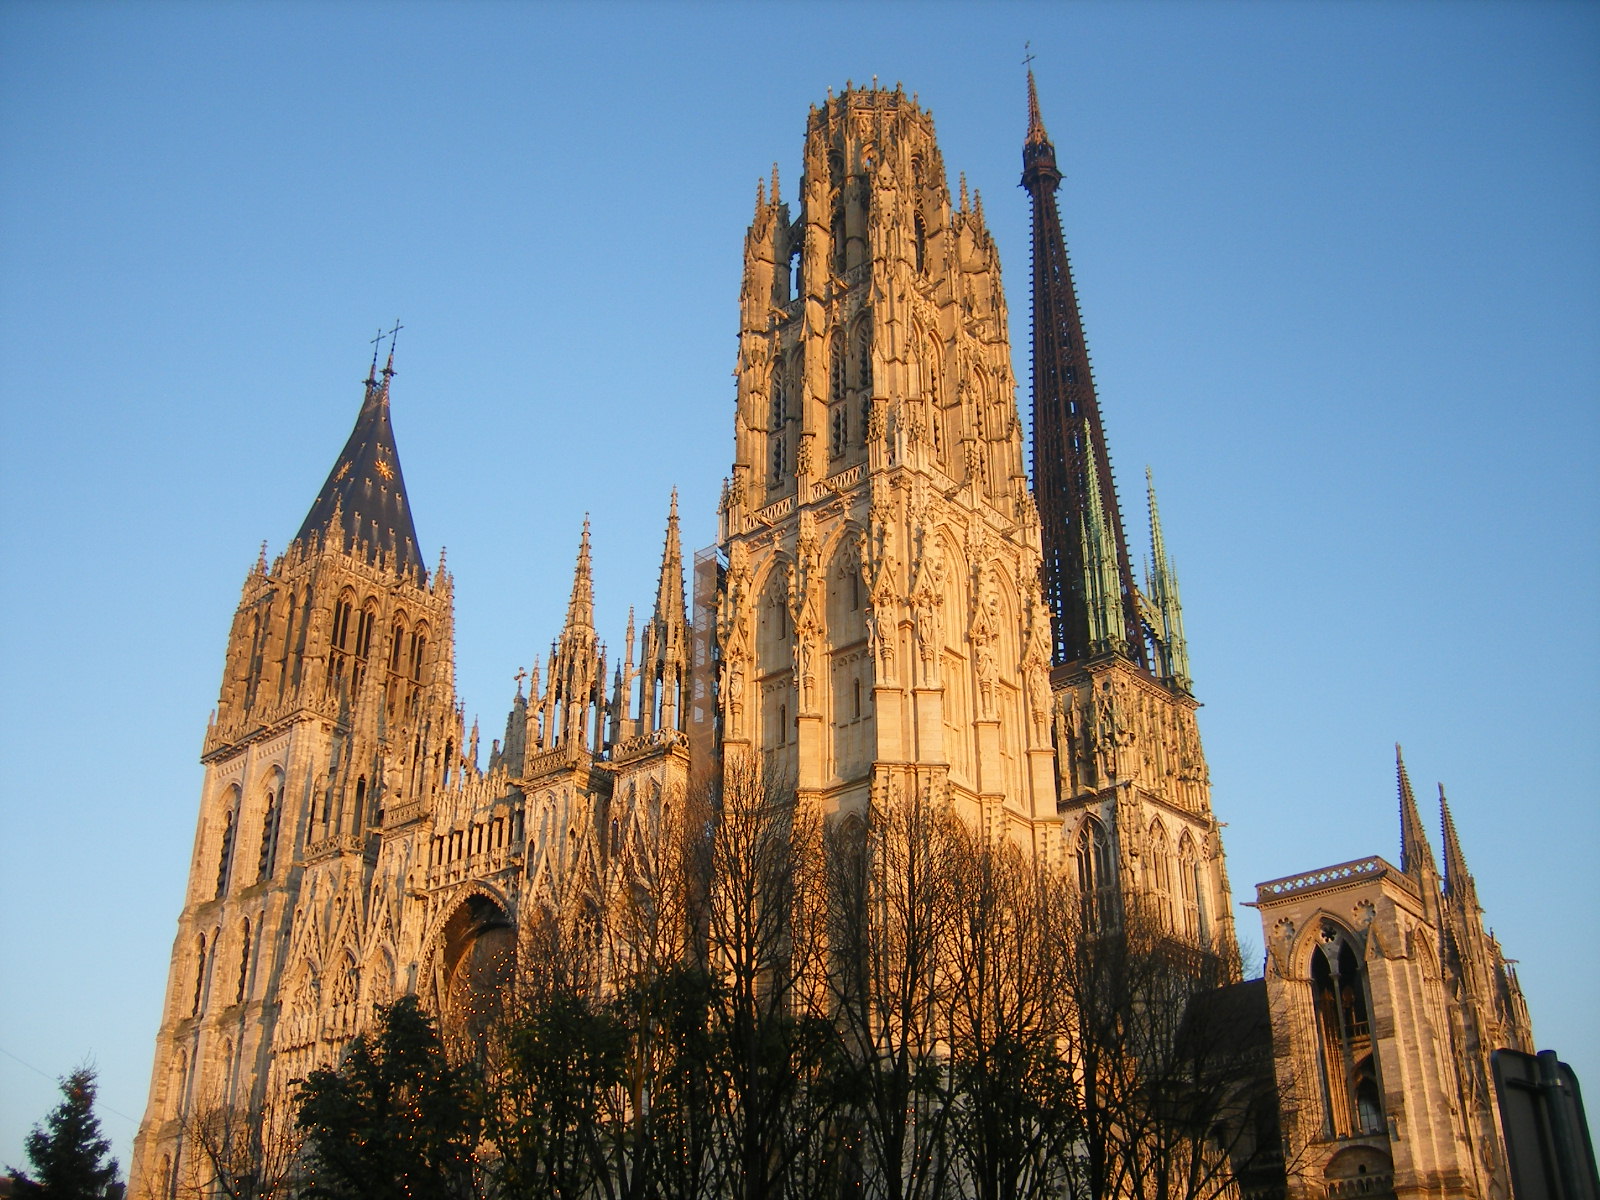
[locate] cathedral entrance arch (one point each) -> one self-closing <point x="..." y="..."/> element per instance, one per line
<point x="477" y="953"/>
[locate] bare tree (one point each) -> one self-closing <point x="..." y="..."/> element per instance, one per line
<point x="766" y="958"/>
<point x="1011" y="1093"/>
<point x="1172" y="1056"/>
<point x="239" y="1154"/>
<point x="891" y="886"/>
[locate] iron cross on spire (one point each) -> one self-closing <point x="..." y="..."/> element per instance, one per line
<point x="391" y="335"/>
<point x="1027" y="54"/>
<point x="372" y="375"/>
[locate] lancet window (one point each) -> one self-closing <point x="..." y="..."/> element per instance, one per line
<point x="1351" y="1094"/>
<point x="199" y="975"/>
<point x="270" y="820"/>
<point x="1189" y="886"/>
<point x="244" y="962"/>
<point x="1158" y="875"/>
<point x="363" y="644"/>
<point x="1097" y="879"/>
<point x="225" y="855"/>
<point x="339" y="642"/>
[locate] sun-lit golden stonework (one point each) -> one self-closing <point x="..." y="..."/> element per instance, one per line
<point x="886" y="614"/>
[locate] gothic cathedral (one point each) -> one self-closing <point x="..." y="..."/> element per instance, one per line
<point x="893" y="608"/>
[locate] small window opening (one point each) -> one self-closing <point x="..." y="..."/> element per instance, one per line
<point x="225" y="859"/>
<point x="244" y="963"/>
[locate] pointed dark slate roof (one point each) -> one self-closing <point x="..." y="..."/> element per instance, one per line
<point x="365" y="493"/>
<point x="1072" y="478"/>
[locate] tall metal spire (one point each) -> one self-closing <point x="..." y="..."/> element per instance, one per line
<point x="1071" y="465"/>
<point x="363" y="502"/>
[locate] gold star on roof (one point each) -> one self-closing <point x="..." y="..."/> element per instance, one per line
<point x="385" y="469"/>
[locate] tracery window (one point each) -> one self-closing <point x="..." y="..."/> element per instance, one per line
<point x="1352" y="1097"/>
<point x="364" y="623"/>
<point x="780" y="398"/>
<point x="1158" y="875"/>
<point x="339" y="641"/>
<point x="1189" y="886"/>
<point x="1097" y="880"/>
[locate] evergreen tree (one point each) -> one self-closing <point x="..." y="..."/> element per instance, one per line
<point x="68" y="1152"/>
<point x="395" y="1120"/>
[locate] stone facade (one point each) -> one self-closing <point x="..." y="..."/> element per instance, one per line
<point x="1387" y="999"/>
<point x="871" y="623"/>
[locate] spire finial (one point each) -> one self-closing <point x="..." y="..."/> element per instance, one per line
<point x="1173" y="647"/>
<point x="1036" y="134"/>
<point x="388" y="370"/>
<point x="1415" y="852"/>
<point x="773" y="191"/>
<point x="372" y="371"/>
<point x="1457" y="879"/>
<point x="580" y="609"/>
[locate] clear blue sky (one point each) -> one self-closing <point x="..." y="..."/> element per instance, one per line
<point x="1340" y="267"/>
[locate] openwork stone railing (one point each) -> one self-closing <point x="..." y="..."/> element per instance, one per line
<point x="848" y="477"/>
<point x="339" y="843"/>
<point x="1361" y="868"/>
<point x="771" y="514"/>
<point x="553" y="759"/>
<point x="648" y="741"/>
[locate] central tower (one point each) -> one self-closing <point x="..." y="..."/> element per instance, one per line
<point x="880" y="623"/>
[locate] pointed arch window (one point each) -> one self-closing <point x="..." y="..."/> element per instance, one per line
<point x="270" y="821"/>
<point x="1097" y="879"/>
<point x="1158" y="875"/>
<point x="1351" y="1092"/>
<point x="358" y="823"/>
<point x="780" y="399"/>
<point x="397" y="644"/>
<point x="199" y="975"/>
<point x="920" y="232"/>
<point x="1189" y="886"/>
<point x="365" y="620"/>
<point x="244" y="962"/>
<point x="339" y="641"/>
<point x="419" y="654"/>
<point x="225" y="856"/>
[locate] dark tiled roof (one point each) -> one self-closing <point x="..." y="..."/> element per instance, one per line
<point x="364" y="497"/>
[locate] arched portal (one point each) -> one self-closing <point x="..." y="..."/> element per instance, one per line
<point x="479" y="954"/>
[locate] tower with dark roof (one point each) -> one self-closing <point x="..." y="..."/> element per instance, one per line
<point x="335" y="728"/>
<point x="1135" y="793"/>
